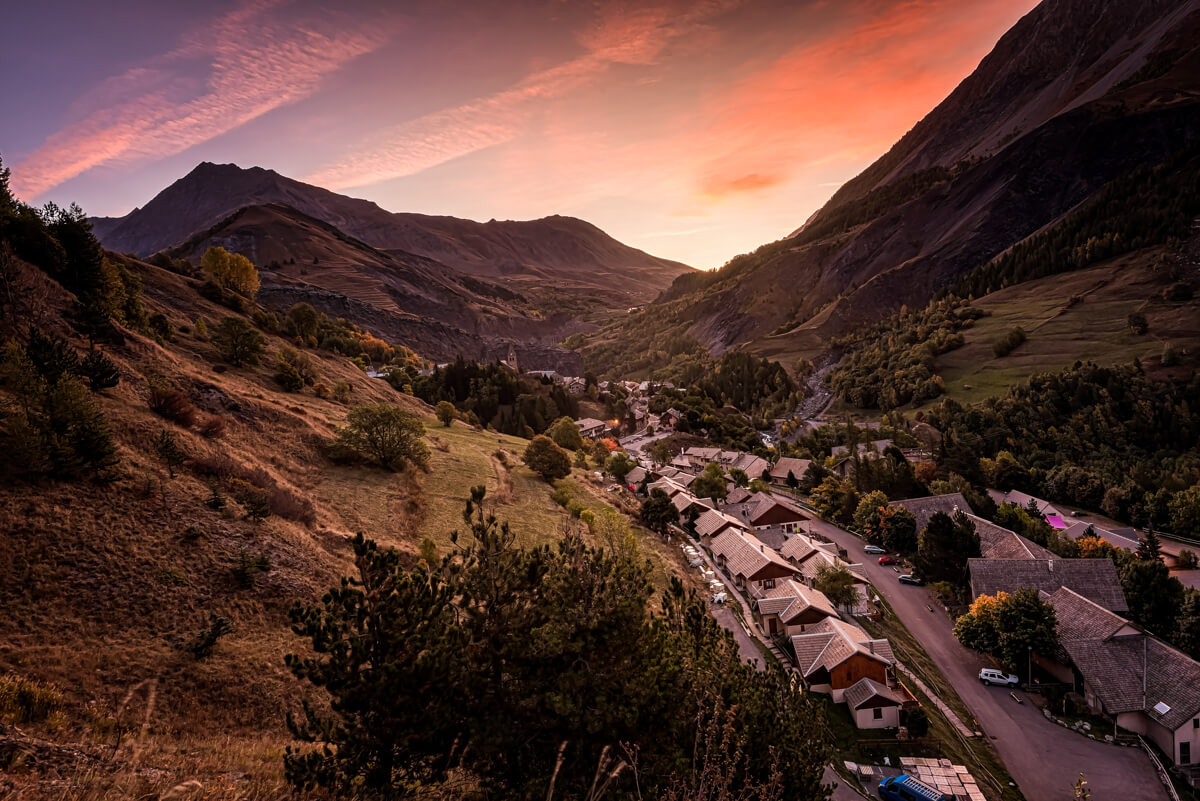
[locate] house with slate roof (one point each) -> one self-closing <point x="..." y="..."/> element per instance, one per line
<point x="712" y="522"/>
<point x="591" y="428"/>
<point x="995" y="542"/>
<point x="790" y="607"/>
<point x="1139" y="681"/>
<point x="788" y="464"/>
<point x="762" y="511"/>
<point x="1094" y="579"/>
<point x="748" y="560"/>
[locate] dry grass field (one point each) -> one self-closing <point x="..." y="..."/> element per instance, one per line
<point x="104" y="587"/>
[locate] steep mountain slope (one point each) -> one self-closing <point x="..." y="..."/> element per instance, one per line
<point x="1074" y="96"/>
<point x="106" y="585"/>
<point x="400" y="296"/>
<point x="554" y="252"/>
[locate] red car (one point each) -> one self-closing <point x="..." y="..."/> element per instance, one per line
<point x="889" y="560"/>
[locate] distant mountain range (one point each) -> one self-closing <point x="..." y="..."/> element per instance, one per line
<point x="440" y="284"/>
<point x="1076" y="94"/>
<point x="561" y="252"/>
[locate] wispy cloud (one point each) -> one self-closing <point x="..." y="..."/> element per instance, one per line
<point x="242" y="66"/>
<point x="622" y="33"/>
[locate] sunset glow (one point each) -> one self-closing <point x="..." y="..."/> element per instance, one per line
<point x="693" y="130"/>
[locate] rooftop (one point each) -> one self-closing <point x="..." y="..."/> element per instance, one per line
<point x="1094" y="579"/>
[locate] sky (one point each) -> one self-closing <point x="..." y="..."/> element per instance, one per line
<point x="693" y="130"/>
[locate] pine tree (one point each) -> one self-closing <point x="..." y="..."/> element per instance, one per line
<point x="99" y="370"/>
<point x="1150" y="546"/>
<point x="169" y="451"/>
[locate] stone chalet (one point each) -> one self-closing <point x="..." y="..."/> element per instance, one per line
<point x="780" y="470"/>
<point x="1094" y="579"/>
<point x="833" y="655"/>
<point x="1143" y="684"/>
<point x="592" y="428"/>
<point x="748" y="560"/>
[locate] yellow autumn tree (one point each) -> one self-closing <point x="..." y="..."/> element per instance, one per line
<point x="232" y="270"/>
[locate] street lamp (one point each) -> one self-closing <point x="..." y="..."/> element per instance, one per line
<point x="1029" y="666"/>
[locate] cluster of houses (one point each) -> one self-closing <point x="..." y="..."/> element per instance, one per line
<point x="1121" y="671"/>
<point x="765" y="546"/>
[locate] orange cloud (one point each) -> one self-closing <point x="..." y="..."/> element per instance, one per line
<point x="255" y="62"/>
<point x="717" y="187"/>
<point x="846" y="97"/>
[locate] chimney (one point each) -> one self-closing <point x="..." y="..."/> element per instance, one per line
<point x="871" y="645"/>
<point x="1050" y="565"/>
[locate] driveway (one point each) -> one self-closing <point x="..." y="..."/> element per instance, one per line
<point x="1043" y="758"/>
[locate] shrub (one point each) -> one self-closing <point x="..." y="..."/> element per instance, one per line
<point x="205" y="641"/>
<point x="1187" y="560"/>
<point x="341" y="391"/>
<point x="320" y="390"/>
<point x="287" y="376"/>
<point x="290" y="506"/>
<point x="917" y="722"/>
<point x="446" y="413"/>
<point x="248" y="566"/>
<point x="99" y="370"/>
<point x="545" y="458"/>
<point x="201" y="328"/>
<point x="194" y="533"/>
<point x="1177" y="292"/>
<point x="266" y="320"/>
<point x="167" y="401"/>
<point x="25" y="700"/>
<point x="1008" y="342"/>
<point x="1170" y="356"/>
<point x="160" y="327"/>
<point x="387" y="435"/>
<point x="238" y="342"/>
<point x="255" y="500"/>
<point x="213" y="427"/>
<point x="215" y="500"/>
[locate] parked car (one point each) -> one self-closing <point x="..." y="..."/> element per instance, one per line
<point x="874" y="549"/>
<point x="989" y="676"/>
<point x="889" y="560"/>
<point x="908" y="578"/>
<point x="909" y="788"/>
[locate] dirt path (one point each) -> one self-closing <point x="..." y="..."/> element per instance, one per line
<point x="504" y="482"/>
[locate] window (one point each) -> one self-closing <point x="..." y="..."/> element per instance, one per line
<point x="769" y="584"/>
<point x="877" y="713"/>
<point x="1185" y="753"/>
<point x="1196" y="723"/>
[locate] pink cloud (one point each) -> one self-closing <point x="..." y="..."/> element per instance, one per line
<point x="251" y="63"/>
<point x="622" y="33"/>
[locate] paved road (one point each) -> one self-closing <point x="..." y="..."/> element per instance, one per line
<point x="1043" y="758"/>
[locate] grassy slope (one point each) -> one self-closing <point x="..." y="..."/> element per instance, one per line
<point x="100" y="592"/>
<point x="1094" y="329"/>
<point x="1061" y="332"/>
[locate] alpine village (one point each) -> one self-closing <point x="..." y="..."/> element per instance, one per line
<point x="303" y="497"/>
